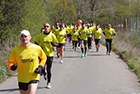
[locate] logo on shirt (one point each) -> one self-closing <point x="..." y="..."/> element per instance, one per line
<point x="46" y="42"/>
<point x="27" y="60"/>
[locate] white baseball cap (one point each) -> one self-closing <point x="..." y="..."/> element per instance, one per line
<point x="25" y="32"/>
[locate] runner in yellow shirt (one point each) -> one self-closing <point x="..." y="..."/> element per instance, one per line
<point x="52" y="29"/>
<point x="29" y="70"/>
<point x="75" y="35"/>
<point x="109" y="33"/>
<point x="79" y="42"/>
<point x="70" y="28"/>
<point x="90" y="30"/>
<point x="42" y="30"/>
<point x="84" y="35"/>
<point x="47" y="40"/>
<point x="97" y="36"/>
<point x="61" y="34"/>
<point x="93" y="28"/>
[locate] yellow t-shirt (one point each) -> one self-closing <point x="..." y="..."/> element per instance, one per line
<point x="83" y="34"/>
<point x="27" y="61"/>
<point x="44" y="40"/>
<point x="61" y="36"/>
<point x="107" y="32"/>
<point x="52" y="30"/>
<point x="75" y="36"/>
<point x="97" y="33"/>
<point x="70" y="29"/>
<point x="90" y="30"/>
<point x="55" y="30"/>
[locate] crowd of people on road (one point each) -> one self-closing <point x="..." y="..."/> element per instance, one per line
<point x="35" y="59"/>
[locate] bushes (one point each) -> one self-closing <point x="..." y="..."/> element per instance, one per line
<point x="2" y="73"/>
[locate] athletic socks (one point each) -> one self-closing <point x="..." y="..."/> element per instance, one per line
<point x="82" y="50"/>
<point x="85" y="49"/>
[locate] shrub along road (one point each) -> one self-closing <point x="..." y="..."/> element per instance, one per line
<point x="97" y="73"/>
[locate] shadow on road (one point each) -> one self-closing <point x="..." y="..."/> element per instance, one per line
<point x="96" y="55"/>
<point x="14" y="89"/>
<point x="72" y="57"/>
<point x="42" y="88"/>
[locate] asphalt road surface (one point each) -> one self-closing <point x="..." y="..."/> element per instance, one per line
<point x="97" y="73"/>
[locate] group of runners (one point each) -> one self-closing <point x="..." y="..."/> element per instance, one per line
<point x="35" y="60"/>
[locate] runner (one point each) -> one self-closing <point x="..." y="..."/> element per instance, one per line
<point x="70" y="28"/>
<point x="29" y="70"/>
<point x="93" y="28"/>
<point x="52" y="29"/>
<point x="61" y="34"/>
<point x="83" y="32"/>
<point x="75" y="35"/>
<point x="79" y="41"/>
<point x="109" y="33"/>
<point x="47" y="40"/>
<point x="57" y="29"/>
<point x="97" y="36"/>
<point x="42" y="30"/>
<point x="90" y="30"/>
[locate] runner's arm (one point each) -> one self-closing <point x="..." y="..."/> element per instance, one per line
<point x="12" y="65"/>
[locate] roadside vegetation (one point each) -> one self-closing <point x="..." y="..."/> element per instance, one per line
<point x="126" y="45"/>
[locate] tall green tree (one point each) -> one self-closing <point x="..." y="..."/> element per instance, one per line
<point x="62" y="11"/>
<point x="135" y="7"/>
<point x="9" y="17"/>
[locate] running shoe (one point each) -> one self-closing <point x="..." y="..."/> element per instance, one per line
<point x="61" y="61"/>
<point x="85" y="54"/>
<point x="58" y="56"/>
<point x="97" y="49"/>
<point x="109" y="53"/>
<point x="49" y="85"/>
<point x="78" y="47"/>
<point x="82" y="55"/>
<point x="74" y="49"/>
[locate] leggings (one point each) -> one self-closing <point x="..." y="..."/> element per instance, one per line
<point x="89" y="41"/>
<point x="48" y="66"/>
<point x="109" y="45"/>
<point x="74" y="43"/>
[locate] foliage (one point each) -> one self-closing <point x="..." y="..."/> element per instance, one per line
<point x="62" y="11"/>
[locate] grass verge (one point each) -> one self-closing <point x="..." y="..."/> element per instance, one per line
<point x="132" y="60"/>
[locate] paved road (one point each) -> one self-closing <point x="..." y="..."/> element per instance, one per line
<point x="97" y="73"/>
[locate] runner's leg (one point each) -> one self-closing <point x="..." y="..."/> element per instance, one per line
<point x="32" y="88"/>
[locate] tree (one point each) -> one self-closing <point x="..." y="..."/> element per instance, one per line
<point x="62" y="11"/>
<point x="9" y="16"/>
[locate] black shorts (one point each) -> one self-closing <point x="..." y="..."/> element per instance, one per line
<point x="84" y="42"/>
<point x="61" y="44"/>
<point x="68" y="35"/>
<point x="97" y="41"/>
<point x="24" y="86"/>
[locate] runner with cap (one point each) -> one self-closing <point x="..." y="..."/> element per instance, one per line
<point x="24" y="57"/>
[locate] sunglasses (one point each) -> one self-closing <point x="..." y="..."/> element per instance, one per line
<point x="46" y="26"/>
